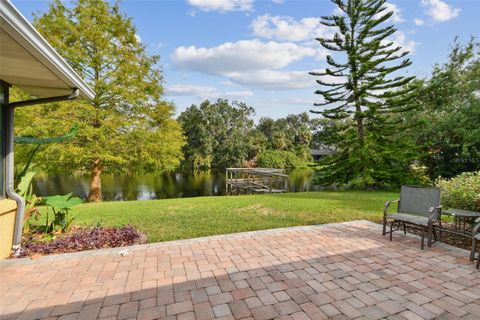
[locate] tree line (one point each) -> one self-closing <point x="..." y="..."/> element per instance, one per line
<point x="223" y="134"/>
<point x="386" y="128"/>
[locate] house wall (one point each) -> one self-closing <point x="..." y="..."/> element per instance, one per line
<point x="7" y="224"/>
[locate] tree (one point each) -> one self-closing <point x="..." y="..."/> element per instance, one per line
<point x="127" y="127"/>
<point x="360" y="92"/>
<point x="293" y="133"/>
<point x="449" y="108"/>
<point x="218" y="134"/>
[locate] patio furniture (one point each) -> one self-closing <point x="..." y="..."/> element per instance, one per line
<point x="461" y="218"/>
<point x="419" y="208"/>
<point x="475" y="243"/>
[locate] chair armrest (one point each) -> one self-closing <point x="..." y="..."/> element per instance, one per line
<point x="387" y="205"/>
<point x="434" y="213"/>
<point x="476" y="229"/>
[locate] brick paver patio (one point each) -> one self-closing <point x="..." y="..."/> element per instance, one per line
<point x="336" y="271"/>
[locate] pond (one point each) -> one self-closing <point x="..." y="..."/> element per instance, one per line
<point x="153" y="186"/>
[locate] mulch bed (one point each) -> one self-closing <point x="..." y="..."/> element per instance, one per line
<point x="80" y="239"/>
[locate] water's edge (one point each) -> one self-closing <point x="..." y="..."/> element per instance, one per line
<point x="153" y="186"/>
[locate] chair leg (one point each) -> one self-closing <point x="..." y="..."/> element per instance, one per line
<point x="384" y="230"/>
<point x="478" y="259"/>
<point x="434" y="234"/>
<point x="474" y="249"/>
<point x="423" y="239"/>
<point x="404" y="228"/>
<point x="429" y="235"/>
<point x="391" y="230"/>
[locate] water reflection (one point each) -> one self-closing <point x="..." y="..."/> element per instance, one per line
<point x="152" y="186"/>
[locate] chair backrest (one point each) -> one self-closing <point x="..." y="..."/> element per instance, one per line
<point x="418" y="200"/>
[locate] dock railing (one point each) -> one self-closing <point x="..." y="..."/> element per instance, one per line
<point x="255" y="180"/>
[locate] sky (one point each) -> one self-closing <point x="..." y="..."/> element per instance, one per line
<point x="260" y="51"/>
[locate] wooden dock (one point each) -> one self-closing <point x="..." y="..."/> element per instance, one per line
<point x="255" y="180"/>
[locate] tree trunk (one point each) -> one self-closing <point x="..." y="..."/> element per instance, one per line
<point x="360" y="131"/>
<point x="95" y="193"/>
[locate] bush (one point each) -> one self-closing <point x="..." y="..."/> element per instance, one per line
<point x="462" y="191"/>
<point x="279" y="159"/>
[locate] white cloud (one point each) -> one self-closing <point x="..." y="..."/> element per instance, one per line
<point x="287" y="28"/>
<point x="250" y="63"/>
<point x="273" y="79"/>
<point x="338" y="12"/>
<point x="204" y="92"/>
<point x="400" y="39"/>
<point x="222" y="5"/>
<point x="280" y="80"/>
<point x="418" y="22"/>
<point x="189" y="90"/>
<point x="299" y="101"/>
<point x="241" y="56"/>
<point x="278" y="1"/>
<point x="238" y="94"/>
<point x="439" y="10"/>
<point x="397" y="14"/>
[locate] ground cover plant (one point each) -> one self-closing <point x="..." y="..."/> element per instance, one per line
<point x="80" y="239"/>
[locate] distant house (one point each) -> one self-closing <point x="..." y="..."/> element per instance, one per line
<point x="321" y="151"/>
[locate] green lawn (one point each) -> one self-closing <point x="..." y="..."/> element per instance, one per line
<point x="171" y="219"/>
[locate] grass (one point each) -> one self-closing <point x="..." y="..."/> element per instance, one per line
<point x="171" y="219"/>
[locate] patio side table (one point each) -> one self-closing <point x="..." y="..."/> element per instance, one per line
<point x="461" y="217"/>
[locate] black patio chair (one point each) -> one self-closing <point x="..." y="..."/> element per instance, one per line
<point x="418" y="208"/>
<point x="475" y="243"/>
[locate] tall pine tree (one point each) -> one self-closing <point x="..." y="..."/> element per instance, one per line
<point x="363" y="97"/>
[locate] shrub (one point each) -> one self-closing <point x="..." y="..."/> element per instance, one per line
<point x="462" y="191"/>
<point x="279" y="159"/>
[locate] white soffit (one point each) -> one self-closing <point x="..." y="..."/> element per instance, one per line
<point x="29" y="62"/>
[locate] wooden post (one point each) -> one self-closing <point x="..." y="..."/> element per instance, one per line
<point x="226" y="181"/>
<point x="236" y="182"/>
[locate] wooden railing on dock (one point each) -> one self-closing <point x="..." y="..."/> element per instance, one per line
<point x="255" y="180"/>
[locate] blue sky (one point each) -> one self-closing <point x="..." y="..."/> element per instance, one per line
<point x="259" y="52"/>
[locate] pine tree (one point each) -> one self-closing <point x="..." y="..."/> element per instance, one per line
<point x="363" y="97"/>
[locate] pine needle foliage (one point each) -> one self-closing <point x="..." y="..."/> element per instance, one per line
<point x="363" y="94"/>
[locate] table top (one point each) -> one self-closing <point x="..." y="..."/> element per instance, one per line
<point x="461" y="213"/>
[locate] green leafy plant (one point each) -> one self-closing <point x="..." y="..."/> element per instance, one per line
<point x="24" y="188"/>
<point x="23" y="179"/>
<point x="462" y="191"/>
<point x="60" y="206"/>
<point x="38" y="142"/>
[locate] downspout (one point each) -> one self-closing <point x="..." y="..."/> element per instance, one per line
<point x="9" y="161"/>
